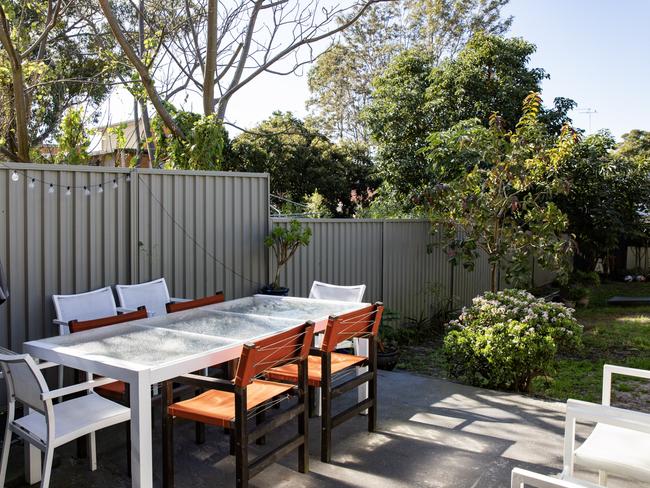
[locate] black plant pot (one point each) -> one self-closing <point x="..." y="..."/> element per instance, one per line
<point x="387" y="359"/>
<point x="280" y="291"/>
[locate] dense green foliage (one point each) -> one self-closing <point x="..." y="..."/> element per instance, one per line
<point x="498" y="196"/>
<point x="72" y="139"/>
<point x="607" y="191"/>
<point x="506" y="339"/>
<point x="302" y="161"/>
<point x="635" y="145"/>
<point x="340" y="80"/>
<point x="413" y="98"/>
<point x="203" y="146"/>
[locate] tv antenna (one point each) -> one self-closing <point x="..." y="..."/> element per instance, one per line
<point x="589" y="111"/>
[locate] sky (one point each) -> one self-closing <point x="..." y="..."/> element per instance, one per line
<point x="597" y="52"/>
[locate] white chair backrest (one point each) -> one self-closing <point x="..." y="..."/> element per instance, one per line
<point x="154" y="295"/>
<point x="325" y="291"/>
<point x="25" y="382"/>
<point x="85" y="306"/>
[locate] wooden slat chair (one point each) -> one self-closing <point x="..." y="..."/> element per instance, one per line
<point x="218" y="297"/>
<point x="230" y="403"/>
<point x="324" y="363"/>
<point x="115" y="390"/>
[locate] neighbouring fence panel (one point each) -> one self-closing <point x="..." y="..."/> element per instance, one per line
<point x="341" y="251"/>
<point x="638" y="258"/>
<point x="398" y="260"/>
<point x="203" y="231"/>
<point x="417" y="274"/>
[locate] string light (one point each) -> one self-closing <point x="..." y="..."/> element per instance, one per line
<point x="100" y="189"/>
<point x="51" y="190"/>
<point x="86" y="191"/>
<point x="115" y="184"/>
<point x="31" y="183"/>
<point x="68" y="192"/>
<point x="14" y="176"/>
<point x="128" y="177"/>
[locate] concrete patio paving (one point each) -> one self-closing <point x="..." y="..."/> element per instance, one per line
<point x="432" y="433"/>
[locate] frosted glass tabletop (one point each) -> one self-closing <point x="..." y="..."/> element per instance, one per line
<point x="286" y="307"/>
<point x="147" y="346"/>
<point x="222" y="324"/>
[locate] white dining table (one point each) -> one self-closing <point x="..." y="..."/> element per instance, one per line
<point x="145" y="352"/>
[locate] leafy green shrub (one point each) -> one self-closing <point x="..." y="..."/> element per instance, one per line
<point x="585" y="278"/>
<point x="507" y="338"/>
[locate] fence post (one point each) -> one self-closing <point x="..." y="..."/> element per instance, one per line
<point x="134" y="217"/>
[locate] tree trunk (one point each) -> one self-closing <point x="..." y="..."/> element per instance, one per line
<point x="18" y="82"/>
<point x="146" y="123"/>
<point x="142" y="70"/>
<point x="494" y="268"/>
<point x="210" y="59"/>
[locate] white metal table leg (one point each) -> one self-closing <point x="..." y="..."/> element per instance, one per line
<point x="362" y="348"/>
<point x="141" y="443"/>
<point x="33" y="462"/>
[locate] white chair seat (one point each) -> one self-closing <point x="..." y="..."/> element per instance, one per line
<point x="616" y="450"/>
<point x="75" y="418"/>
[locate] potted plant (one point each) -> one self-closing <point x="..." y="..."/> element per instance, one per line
<point x="284" y="241"/>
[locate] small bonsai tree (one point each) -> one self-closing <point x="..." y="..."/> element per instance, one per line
<point x="285" y="241"/>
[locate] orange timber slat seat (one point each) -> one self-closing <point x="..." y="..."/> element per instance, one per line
<point x="218" y="297"/>
<point x="340" y="362"/>
<point x="215" y="407"/>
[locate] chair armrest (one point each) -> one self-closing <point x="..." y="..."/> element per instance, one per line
<point x="610" y="369"/>
<point x="523" y="477"/>
<point x="619" y="417"/>
<point x="207" y="382"/>
<point x="69" y="390"/>
<point x="47" y="365"/>
<point x="59" y="322"/>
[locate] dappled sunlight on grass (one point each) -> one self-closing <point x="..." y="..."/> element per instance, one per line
<point x="636" y="319"/>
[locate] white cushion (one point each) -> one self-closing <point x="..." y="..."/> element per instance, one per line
<point x="616" y="450"/>
<point x="154" y="295"/>
<point x="325" y="291"/>
<point x="75" y="418"/>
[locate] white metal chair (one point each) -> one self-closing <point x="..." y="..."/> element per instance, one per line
<point x="153" y="294"/>
<point x="620" y="442"/>
<point x="82" y="306"/>
<point x="48" y="426"/>
<point x="522" y="478"/>
<point x="326" y="291"/>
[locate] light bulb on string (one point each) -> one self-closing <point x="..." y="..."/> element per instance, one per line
<point x="32" y="183"/>
<point x="51" y="190"/>
<point x="68" y="192"/>
<point x="128" y="177"/>
<point x="100" y="189"/>
<point x="115" y="184"/>
<point x="15" y="176"/>
<point x="86" y="191"/>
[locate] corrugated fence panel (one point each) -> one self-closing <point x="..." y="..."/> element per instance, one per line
<point x="394" y="258"/>
<point x="416" y="273"/>
<point x="203" y="231"/>
<point x="344" y="252"/>
<point x="57" y="243"/>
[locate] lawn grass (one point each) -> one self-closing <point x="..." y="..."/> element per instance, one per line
<point x="612" y="335"/>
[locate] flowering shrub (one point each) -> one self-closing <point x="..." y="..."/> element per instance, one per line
<point x="507" y="338"/>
